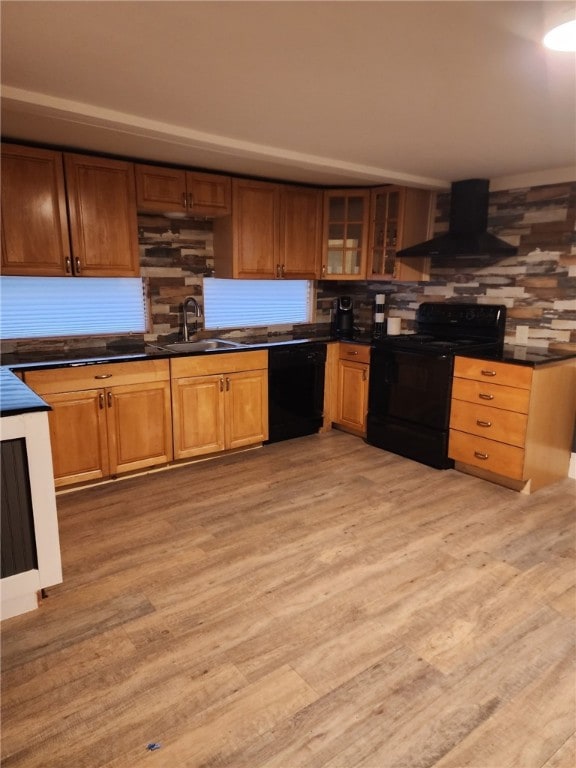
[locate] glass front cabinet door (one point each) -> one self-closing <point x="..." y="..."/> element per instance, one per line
<point x="346" y="215"/>
<point x="399" y="217"/>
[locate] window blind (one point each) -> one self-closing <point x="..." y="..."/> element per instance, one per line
<point x="40" y="307"/>
<point x="248" y="303"/>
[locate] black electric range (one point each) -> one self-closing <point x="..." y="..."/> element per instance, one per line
<point x="411" y="377"/>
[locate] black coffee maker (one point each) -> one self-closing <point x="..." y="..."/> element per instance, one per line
<point x="343" y="317"/>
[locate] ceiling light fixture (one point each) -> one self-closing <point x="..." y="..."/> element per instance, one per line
<point x="562" y="37"/>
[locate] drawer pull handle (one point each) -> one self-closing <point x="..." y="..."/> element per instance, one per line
<point x="352" y="352"/>
<point x="485" y="396"/>
<point x="101" y="401"/>
<point x="488" y="373"/>
<point x="480" y="455"/>
<point x="109" y="399"/>
<point x="483" y="423"/>
<point x="103" y="376"/>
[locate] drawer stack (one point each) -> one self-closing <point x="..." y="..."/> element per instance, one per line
<point x="512" y="423"/>
<point x="489" y="415"/>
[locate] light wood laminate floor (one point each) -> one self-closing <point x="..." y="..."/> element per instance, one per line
<point x="317" y="603"/>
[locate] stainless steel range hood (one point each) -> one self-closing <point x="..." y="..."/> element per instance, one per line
<point x="467" y="234"/>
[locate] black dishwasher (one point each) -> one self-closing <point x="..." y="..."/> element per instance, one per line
<point x="295" y="389"/>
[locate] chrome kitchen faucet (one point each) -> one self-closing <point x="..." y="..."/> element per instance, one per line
<point x="190" y="301"/>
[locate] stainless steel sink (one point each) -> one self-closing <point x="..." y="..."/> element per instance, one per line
<point x="207" y="345"/>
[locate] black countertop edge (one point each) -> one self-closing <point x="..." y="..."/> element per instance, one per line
<point x="39" y="361"/>
<point x="520" y="355"/>
<point x="16" y="398"/>
<point x="527" y="356"/>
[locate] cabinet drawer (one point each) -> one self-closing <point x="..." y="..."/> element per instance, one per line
<point x="502" y="459"/>
<point x="496" y="395"/>
<point x="205" y="365"/>
<point x="92" y="376"/>
<point x="498" y="373"/>
<point x="358" y="353"/>
<point x="492" y="423"/>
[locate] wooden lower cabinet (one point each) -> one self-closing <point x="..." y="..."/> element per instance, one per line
<point x="98" y="431"/>
<point x="513" y="424"/>
<point x="219" y="402"/>
<point x="352" y="388"/>
<point x="78" y="436"/>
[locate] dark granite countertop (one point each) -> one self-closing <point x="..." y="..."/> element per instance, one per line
<point x="511" y="353"/>
<point x="535" y="356"/>
<point x="529" y="356"/>
<point x="16" y="397"/>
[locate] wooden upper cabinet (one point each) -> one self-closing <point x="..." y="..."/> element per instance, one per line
<point x="67" y="215"/>
<point x="345" y="245"/>
<point x="175" y="190"/>
<point x="103" y="219"/>
<point x="399" y="217"/>
<point x="300" y="232"/>
<point x="274" y="232"/>
<point x="208" y="194"/>
<point x="34" y="222"/>
<point x="246" y="244"/>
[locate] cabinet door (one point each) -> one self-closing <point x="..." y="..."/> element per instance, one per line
<point x="345" y="244"/>
<point x="162" y="190"/>
<point x="300" y="232"/>
<point x="384" y="232"/>
<point x="352" y="396"/>
<point x="139" y="426"/>
<point x="208" y="194"/>
<point x="198" y="415"/>
<point x="246" y="408"/>
<point x="35" y="237"/>
<point x="255" y="228"/>
<point x="103" y="219"/>
<point x="78" y="436"/>
<point x="399" y="217"/>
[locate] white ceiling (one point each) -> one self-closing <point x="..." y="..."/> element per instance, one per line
<point x="330" y="92"/>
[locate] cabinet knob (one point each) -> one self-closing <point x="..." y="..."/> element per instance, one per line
<point x="68" y="265"/>
<point x="77" y="268"/>
<point x="101" y="401"/>
<point x="109" y="399"/>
